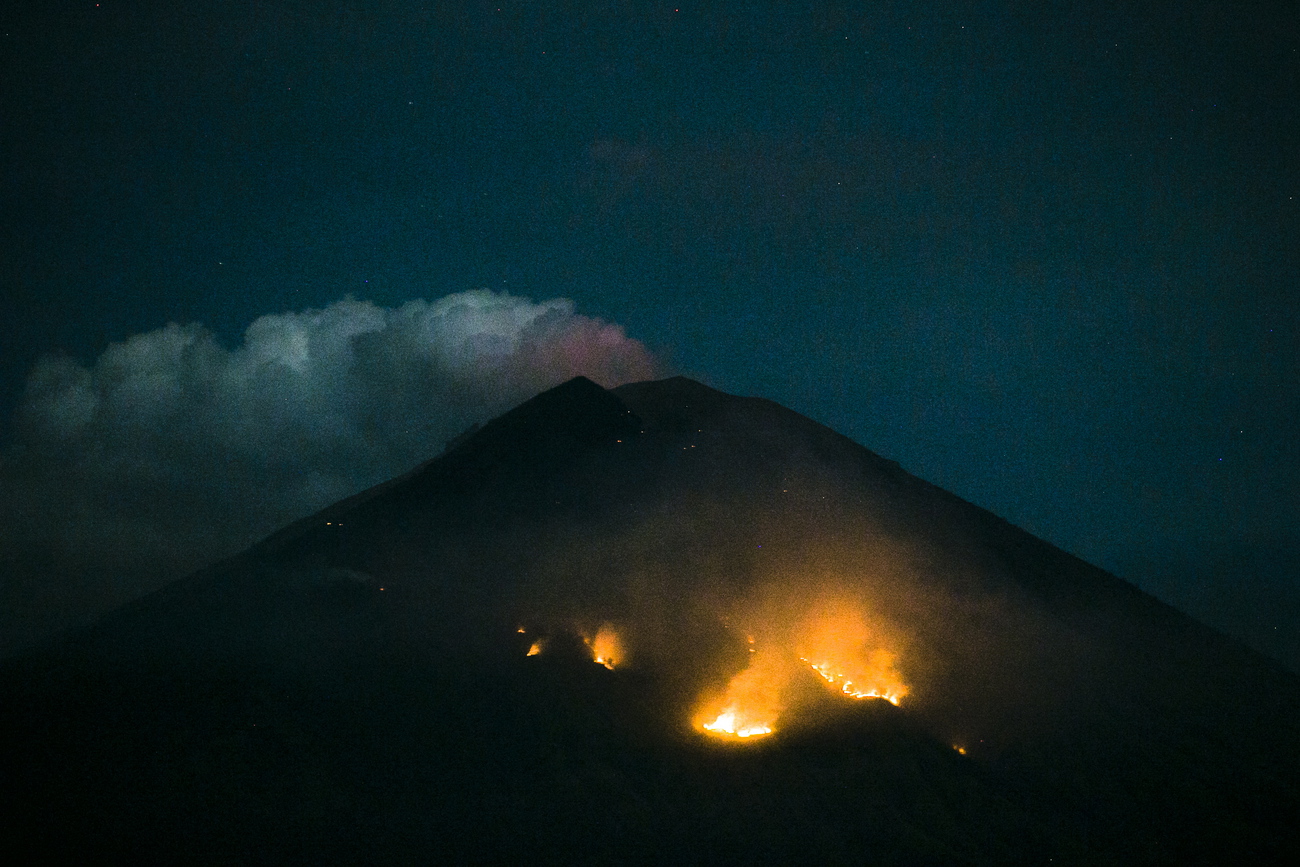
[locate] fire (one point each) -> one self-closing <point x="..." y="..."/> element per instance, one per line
<point x="831" y="636"/>
<point x="732" y="723"/>
<point x="877" y="679"/>
<point x="836" y="648"/>
<point x="605" y="647"/>
<point x="752" y="703"/>
<point x="833" y="640"/>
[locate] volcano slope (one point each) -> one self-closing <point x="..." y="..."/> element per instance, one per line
<point x="544" y="645"/>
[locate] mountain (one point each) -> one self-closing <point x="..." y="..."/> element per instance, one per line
<point x="544" y="645"/>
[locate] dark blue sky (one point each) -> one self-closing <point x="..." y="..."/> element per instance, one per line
<point x="1045" y="255"/>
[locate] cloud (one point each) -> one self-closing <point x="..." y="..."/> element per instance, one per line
<point x="171" y="450"/>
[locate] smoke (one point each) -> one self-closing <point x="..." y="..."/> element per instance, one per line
<point x="768" y="588"/>
<point x="171" y="450"/>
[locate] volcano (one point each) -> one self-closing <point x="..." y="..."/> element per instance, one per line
<point x="654" y="624"/>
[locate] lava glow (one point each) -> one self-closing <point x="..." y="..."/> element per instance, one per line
<point x="605" y="647"/>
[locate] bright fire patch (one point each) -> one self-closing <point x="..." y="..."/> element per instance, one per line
<point x="877" y="679"/>
<point x="605" y="647"/>
<point x="733" y="723"/>
<point x="835" y="642"/>
<point x="836" y="647"/>
<point x="831" y="636"/>
<point x="752" y="703"/>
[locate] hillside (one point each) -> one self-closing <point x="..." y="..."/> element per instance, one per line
<point x="414" y="674"/>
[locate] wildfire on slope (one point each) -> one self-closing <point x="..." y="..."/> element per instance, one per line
<point x="875" y="684"/>
<point x="785" y="644"/>
<point x="752" y="702"/>
<point x="606" y="649"/>
<point x="835" y="644"/>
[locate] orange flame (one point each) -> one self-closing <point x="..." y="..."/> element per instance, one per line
<point x="833" y="640"/>
<point x="831" y="636"/>
<point x="836" y="648"/>
<point x="752" y="703"/>
<point x="876" y="679"/>
<point x="605" y="647"/>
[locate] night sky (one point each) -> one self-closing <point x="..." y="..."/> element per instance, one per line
<point x="1045" y="255"/>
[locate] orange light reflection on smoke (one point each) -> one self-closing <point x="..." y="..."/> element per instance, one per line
<point x="836" y="646"/>
<point x="835" y="642"/>
<point x="753" y="701"/>
<point x="605" y="647"/>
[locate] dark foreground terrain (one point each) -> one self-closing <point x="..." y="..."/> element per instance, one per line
<point x="356" y="688"/>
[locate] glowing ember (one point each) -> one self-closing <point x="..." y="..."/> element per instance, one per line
<point x="605" y="647"/>
<point x="753" y="701"/>
<point x="536" y="648"/>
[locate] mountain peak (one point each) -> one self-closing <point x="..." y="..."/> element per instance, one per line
<point x="575" y="412"/>
<point x="654" y="619"/>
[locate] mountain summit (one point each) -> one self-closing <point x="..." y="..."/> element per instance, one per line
<point x="650" y="624"/>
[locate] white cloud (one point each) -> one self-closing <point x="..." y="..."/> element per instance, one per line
<point x="171" y="450"/>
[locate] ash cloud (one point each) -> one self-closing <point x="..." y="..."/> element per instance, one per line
<point x="171" y="450"/>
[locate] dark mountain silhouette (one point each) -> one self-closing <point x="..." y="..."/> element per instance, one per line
<point x="362" y="686"/>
